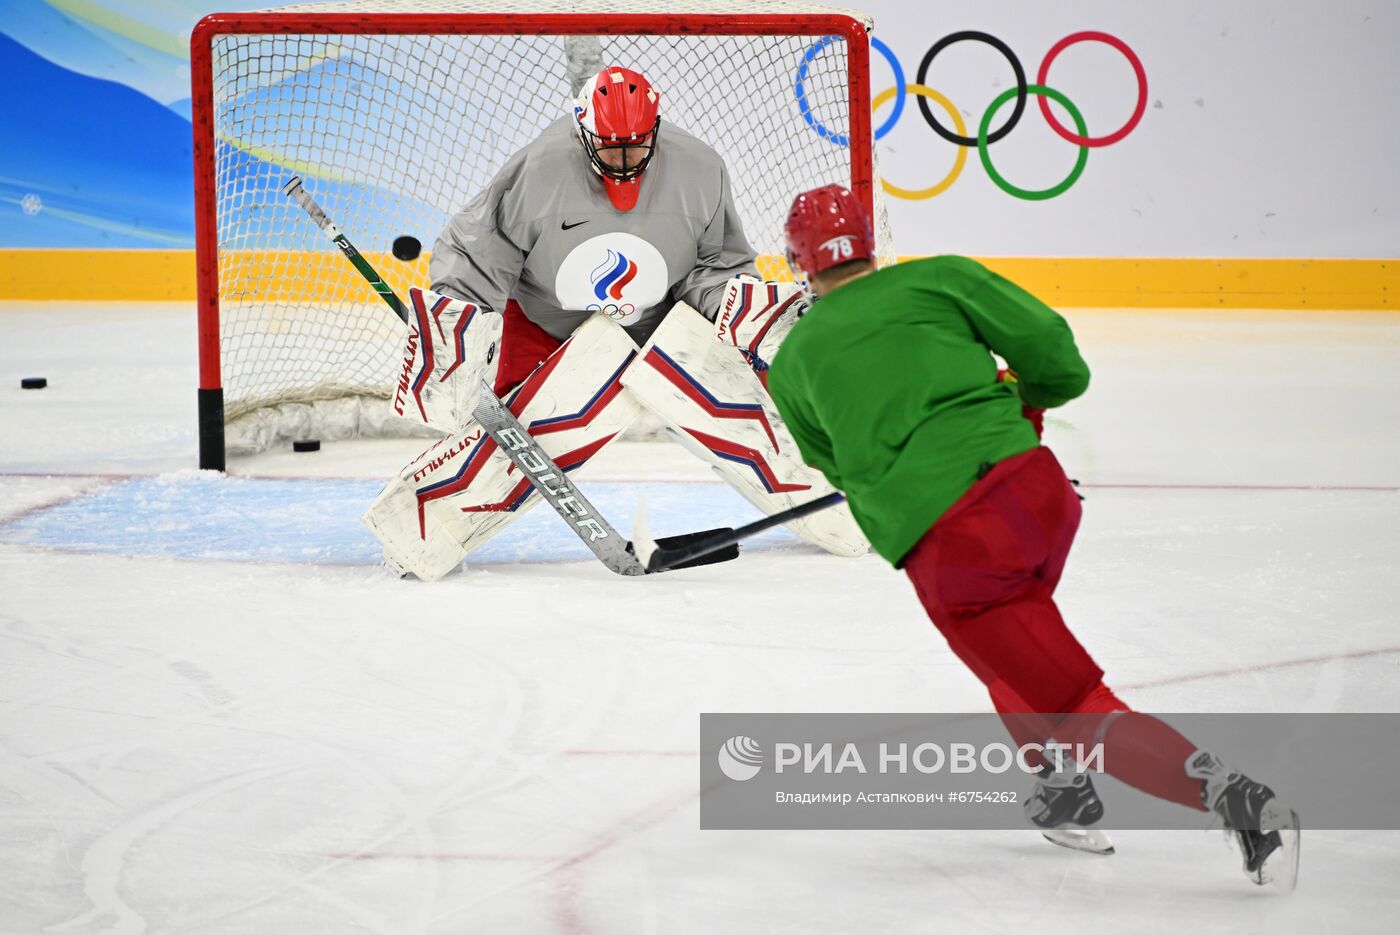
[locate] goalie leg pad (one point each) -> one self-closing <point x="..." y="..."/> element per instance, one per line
<point x="450" y="348"/>
<point x="463" y="490"/>
<point x="716" y="405"/>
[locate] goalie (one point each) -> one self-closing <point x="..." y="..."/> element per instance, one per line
<point x="603" y="271"/>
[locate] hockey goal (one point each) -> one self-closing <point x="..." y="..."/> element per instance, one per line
<point x="395" y="115"/>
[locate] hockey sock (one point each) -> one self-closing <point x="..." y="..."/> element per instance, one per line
<point x="1140" y="750"/>
<point x="1025" y="729"/>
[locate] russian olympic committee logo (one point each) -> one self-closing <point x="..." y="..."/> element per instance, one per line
<point x="985" y="136"/>
<point x="740" y="758"/>
<point x="617" y="274"/>
<point x="612" y="276"/>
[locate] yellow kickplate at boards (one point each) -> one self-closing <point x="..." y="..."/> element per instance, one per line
<point x="1066" y="282"/>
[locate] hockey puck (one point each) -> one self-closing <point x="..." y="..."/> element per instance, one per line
<point x="310" y="444"/>
<point x="33" y="383"/>
<point x="407" y="248"/>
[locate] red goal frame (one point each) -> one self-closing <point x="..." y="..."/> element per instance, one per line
<point x="211" y="406"/>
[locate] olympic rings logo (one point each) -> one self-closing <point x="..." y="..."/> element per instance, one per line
<point x="614" y="310"/>
<point x="986" y="136"/>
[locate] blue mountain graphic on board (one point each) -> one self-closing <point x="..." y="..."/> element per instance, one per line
<point x="356" y="151"/>
<point x="96" y="163"/>
<point x="86" y="162"/>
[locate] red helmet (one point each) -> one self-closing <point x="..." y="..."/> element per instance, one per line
<point x="826" y="227"/>
<point x="617" y="116"/>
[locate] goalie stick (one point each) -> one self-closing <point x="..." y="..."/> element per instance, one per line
<point x="301" y="196"/>
<point x="598" y="535"/>
<point x="583" y="518"/>
<point x="539" y="468"/>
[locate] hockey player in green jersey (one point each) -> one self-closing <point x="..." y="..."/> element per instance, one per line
<point x="890" y="389"/>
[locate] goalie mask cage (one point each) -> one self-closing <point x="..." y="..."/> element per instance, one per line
<point x="397" y="115"/>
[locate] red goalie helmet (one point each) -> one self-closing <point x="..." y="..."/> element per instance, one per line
<point x="618" y="124"/>
<point x="826" y="227"/>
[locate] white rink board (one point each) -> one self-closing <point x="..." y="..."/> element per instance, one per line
<point x="1264" y="133"/>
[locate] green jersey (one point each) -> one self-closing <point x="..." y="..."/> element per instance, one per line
<point x="889" y="387"/>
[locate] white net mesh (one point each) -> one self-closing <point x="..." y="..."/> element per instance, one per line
<point x="392" y="133"/>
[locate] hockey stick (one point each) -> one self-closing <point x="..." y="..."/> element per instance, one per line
<point x="582" y="517"/>
<point x="655" y="557"/>
<point x="308" y="204"/>
<point x="539" y="468"/>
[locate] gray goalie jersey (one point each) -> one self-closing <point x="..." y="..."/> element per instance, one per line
<point x="544" y="233"/>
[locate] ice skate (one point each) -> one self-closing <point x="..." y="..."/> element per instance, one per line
<point x="1064" y="806"/>
<point x="1266" y="831"/>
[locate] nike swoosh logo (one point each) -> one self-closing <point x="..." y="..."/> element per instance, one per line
<point x="564" y="226"/>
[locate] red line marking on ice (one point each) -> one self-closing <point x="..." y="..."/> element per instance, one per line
<point x="566" y="909"/>
<point x="629" y="752"/>
<point x="1281" y="488"/>
<point x="71" y="475"/>
<point x="1265" y="667"/>
<point x="1155" y="683"/>
<point x="1284" y="488"/>
<point x="567" y="886"/>
<point x="107" y="480"/>
<point x="443" y="856"/>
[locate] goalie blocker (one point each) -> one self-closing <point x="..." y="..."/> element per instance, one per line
<point x="755" y="316"/>
<point x="449" y="350"/>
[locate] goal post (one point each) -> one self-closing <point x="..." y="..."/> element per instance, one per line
<point x="397" y="115"/>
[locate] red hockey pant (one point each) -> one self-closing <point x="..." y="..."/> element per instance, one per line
<point x="986" y="573"/>
<point x="524" y="346"/>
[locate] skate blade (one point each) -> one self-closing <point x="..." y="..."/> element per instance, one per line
<point x="1281" y="867"/>
<point x="1079" y="839"/>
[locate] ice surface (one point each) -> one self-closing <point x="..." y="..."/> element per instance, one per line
<point x="204" y="515"/>
<point x="218" y="714"/>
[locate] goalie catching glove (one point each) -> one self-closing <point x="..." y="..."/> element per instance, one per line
<point x="755" y="316"/>
<point x="451" y="347"/>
